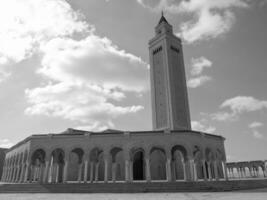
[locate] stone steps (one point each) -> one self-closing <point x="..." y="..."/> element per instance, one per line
<point x="134" y="187"/>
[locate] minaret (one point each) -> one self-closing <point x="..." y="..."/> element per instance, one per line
<point x="170" y="109"/>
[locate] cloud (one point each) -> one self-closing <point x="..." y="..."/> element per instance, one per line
<point x="257" y="134"/>
<point x="200" y="126"/>
<point x="198" y="81"/>
<point x="199" y="64"/>
<point x="3" y="74"/>
<point x="5" y="143"/>
<point x="87" y="80"/>
<point x="210" y="18"/>
<point x="94" y="60"/>
<point x="255" y="125"/>
<point x="27" y="23"/>
<point x="239" y="105"/>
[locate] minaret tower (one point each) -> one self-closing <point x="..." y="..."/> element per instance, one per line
<point x="170" y="109"/>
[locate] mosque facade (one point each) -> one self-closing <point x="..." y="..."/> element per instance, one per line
<point x="170" y="152"/>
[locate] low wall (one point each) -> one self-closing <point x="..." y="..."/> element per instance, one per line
<point x="212" y="186"/>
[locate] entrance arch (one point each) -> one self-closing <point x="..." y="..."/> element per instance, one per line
<point x="138" y="165"/>
<point x="158" y="164"/>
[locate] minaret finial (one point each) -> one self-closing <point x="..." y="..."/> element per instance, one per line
<point x="162" y="13"/>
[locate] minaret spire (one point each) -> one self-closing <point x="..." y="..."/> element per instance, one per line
<point x="162" y="19"/>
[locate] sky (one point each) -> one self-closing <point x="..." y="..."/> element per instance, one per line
<point x="84" y="64"/>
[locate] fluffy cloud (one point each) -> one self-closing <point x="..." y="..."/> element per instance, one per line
<point x="87" y="78"/>
<point x="211" y="18"/>
<point x="200" y="126"/>
<point x="254" y="128"/>
<point x="27" y="23"/>
<point x="198" y="65"/>
<point x="198" y="81"/>
<point x="94" y="60"/>
<point x="239" y="105"/>
<point x="255" y="125"/>
<point x="5" y="143"/>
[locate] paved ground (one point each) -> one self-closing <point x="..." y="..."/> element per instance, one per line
<point x="147" y="196"/>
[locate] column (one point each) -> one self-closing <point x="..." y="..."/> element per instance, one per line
<point x="80" y="167"/>
<point x="106" y="169"/>
<point x="148" y="175"/>
<point x="26" y="172"/>
<point x="127" y="171"/>
<point x="113" y="171"/>
<point x="22" y="172"/>
<point x="57" y="172"/>
<point x="195" y="171"/>
<point x="204" y="170"/>
<point x="225" y="174"/>
<point x="131" y="170"/>
<point x="96" y="171"/>
<point x="168" y="170"/>
<point x="65" y="171"/>
<point x="91" y="172"/>
<point x="215" y="170"/>
<point x="85" y="170"/>
<point x="185" y="174"/>
<point x="209" y="171"/>
<point x="46" y="171"/>
<point x="191" y="167"/>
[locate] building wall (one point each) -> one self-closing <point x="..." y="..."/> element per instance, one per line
<point x="105" y="155"/>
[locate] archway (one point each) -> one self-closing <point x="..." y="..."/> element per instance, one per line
<point x="199" y="169"/>
<point x="97" y="165"/>
<point x="179" y="160"/>
<point x="37" y="162"/>
<point x="158" y="164"/>
<point x="57" y="167"/>
<point x="138" y="165"/>
<point x="209" y="163"/>
<point x="75" y="165"/>
<point x="118" y="167"/>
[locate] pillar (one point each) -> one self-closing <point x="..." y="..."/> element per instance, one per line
<point x="204" y="170"/>
<point x="127" y="171"/>
<point x="185" y="174"/>
<point x="215" y="170"/>
<point x="57" y="172"/>
<point x="85" y="170"/>
<point x="195" y="171"/>
<point x="113" y="171"/>
<point x="96" y="171"/>
<point x="46" y="171"/>
<point x="191" y="168"/>
<point x="106" y="169"/>
<point x="65" y="171"/>
<point x="225" y="174"/>
<point x="80" y="167"/>
<point x="168" y="170"/>
<point x="148" y="175"/>
<point x="209" y="171"/>
<point x="91" y="172"/>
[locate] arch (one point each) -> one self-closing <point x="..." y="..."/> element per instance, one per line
<point x="118" y="165"/>
<point x="198" y="164"/>
<point x="57" y="167"/>
<point x="209" y="163"/>
<point x="37" y="163"/>
<point x="97" y="164"/>
<point x="75" y="167"/>
<point x="179" y="159"/>
<point x="138" y="164"/>
<point x="157" y="163"/>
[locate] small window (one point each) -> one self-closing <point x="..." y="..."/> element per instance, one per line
<point x="175" y="49"/>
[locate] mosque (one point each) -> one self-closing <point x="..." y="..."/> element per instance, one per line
<point x="168" y="153"/>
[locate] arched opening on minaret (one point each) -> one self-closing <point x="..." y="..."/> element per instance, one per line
<point x="138" y="165"/>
